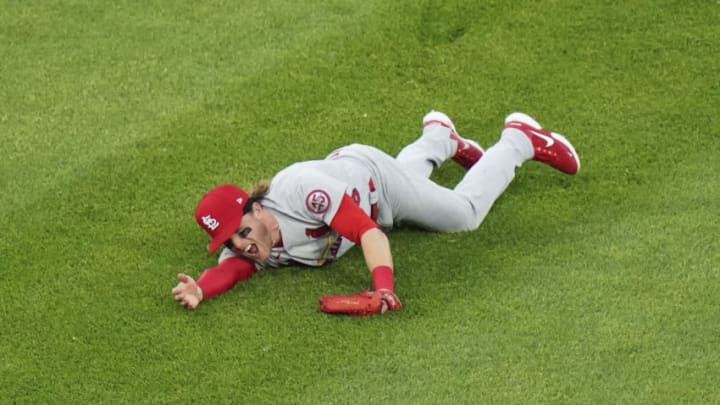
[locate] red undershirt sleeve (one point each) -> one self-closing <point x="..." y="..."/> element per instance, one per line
<point x="216" y="280"/>
<point x="351" y="221"/>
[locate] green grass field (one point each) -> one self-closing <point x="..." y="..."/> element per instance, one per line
<point x="115" y="117"/>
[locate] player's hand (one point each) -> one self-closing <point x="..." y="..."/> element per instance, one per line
<point x="390" y="301"/>
<point x="187" y="292"/>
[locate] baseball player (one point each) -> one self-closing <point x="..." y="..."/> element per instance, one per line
<point x="312" y="212"/>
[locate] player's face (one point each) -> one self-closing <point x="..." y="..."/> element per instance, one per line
<point x="252" y="239"/>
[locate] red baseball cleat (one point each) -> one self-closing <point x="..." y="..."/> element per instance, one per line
<point x="549" y="147"/>
<point x="468" y="151"/>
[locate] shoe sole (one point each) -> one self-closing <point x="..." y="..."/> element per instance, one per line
<point x="568" y="145"/>
<point x="524" y="118"/>
<point x="439" y="117"/>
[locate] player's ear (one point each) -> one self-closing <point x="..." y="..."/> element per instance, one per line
<point x="256" y="207"/>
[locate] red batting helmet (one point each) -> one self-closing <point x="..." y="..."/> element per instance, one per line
<point x="220" y="211"/>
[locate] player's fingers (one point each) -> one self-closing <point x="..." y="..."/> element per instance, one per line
<point x="182" y="277"/>
<point x="190" y="303"/>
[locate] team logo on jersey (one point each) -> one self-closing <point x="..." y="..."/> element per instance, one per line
<point x="318" y="201"/>
<point x="210" y="222"/>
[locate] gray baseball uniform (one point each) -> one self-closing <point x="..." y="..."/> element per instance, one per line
<point x="305" y="196"/>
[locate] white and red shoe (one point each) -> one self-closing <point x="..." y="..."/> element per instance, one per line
<point x="550" y="148"/>
<point x="468" y="151"/>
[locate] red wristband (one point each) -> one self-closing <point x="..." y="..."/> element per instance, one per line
<point x="383" y="278"/>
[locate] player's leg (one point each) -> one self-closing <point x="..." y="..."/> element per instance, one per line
<point x="422" y="202"/>
<point x="521" y="140"/>
<point x="438" y="142"/>
<point x="414" y="200"/>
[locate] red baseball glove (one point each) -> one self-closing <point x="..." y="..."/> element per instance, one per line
<point x="366" y="303"/>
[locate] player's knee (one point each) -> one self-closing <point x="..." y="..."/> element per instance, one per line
<point x="475" y="219"/>
<point x="465" y="223"/>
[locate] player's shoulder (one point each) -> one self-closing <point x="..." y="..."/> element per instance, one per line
<point x="301" y="172"/>
<point x="307" y="184"/>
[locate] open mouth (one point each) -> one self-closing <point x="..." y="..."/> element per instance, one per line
<point x="251" y="249"/>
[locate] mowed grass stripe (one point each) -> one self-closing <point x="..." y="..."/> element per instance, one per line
<point x="96" y="91"/>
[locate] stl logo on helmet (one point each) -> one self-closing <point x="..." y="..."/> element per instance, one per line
<point x="210" y="222"/>
<point x="318" y="201"/>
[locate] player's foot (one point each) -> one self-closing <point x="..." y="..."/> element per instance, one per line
<point x="468" y="151"/>
<point x="548" y="147"/>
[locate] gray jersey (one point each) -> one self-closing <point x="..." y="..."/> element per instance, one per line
<point x="304" y="199"/>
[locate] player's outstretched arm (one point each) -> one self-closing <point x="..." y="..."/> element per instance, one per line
<point x="356" y="225"/>
<point x="213" y="281"/>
